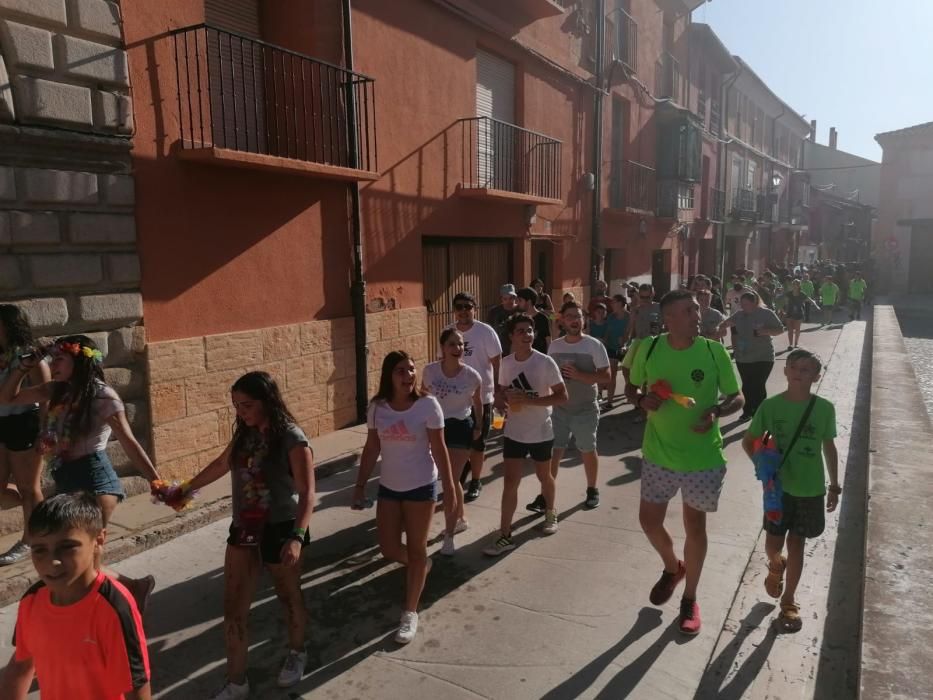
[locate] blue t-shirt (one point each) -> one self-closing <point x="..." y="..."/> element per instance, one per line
<point x="616" y="331"/>
<point x="598" y="330"/>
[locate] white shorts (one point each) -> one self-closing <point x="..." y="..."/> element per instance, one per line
<point x="700" y="490"/>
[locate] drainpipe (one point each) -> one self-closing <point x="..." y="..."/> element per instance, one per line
<point x="596" y="243"/>
<point x="724" y="165"/>
<point x="358" y="284"/>
<point x="774" y="124"/>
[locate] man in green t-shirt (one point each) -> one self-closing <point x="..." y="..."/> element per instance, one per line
<point x="857" y="287"/>
<point x="806" y="286"/>
<point x="683" y="445"/>
<point x="829" y="295"/>
<point x="800" y="475"/>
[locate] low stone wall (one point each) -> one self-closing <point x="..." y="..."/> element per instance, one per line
<point x="898" y="564"/>
<point x="313" y="363"/>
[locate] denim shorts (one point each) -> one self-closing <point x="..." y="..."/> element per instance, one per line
<point x="582" y="425"/>
<point x="92" y="473"/>
<point x="428" y="492"/>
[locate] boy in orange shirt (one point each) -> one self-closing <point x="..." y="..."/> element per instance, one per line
<point x="78" y="630"/>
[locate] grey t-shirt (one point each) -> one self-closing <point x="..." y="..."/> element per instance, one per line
<point x="709" y="321"/>
<point x="748" y="346"/>
<point x="587" y="355"/>
<point x="268" y="484"/>
<point x="648" y="320"/>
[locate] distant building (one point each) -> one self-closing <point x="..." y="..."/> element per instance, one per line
<point x="903" y="241"/>
<point x="844" y="198"/>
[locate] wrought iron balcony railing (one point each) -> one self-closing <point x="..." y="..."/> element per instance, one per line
<point x="744" y="204"/>
<point x="505" y="157"/>
<point x="632" y="186"/>
<point x="668" y="78"/>
<point x="717" y="205"/>
<point x="766" y="208"/>
<point x="241" y="94"/>
<point x="622" y="32"/>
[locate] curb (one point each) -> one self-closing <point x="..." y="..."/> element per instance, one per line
<point x="13" y="588"/>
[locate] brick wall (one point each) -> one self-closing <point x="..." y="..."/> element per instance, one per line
<point x="67" y="230"/>
<point x="313" y="363"/>
<point x="63" y="63"/>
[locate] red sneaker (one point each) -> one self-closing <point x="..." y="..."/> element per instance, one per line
<point x="662" y="591"/>
<point x="689" y="617"/>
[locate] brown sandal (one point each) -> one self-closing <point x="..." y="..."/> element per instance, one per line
<point x="789" y="619"/>
<point x="774" y="581"/>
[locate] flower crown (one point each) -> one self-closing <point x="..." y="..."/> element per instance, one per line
<point x="76" y="349"/>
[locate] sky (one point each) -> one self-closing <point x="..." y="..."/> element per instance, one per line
<point x="863" y="66"/>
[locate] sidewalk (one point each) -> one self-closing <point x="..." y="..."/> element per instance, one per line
<point x="561" y="617"/>
<point x="139" y="524"/>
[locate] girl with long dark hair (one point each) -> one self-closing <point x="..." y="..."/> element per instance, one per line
<point x="407" y="430"/>
<point x="272" y="472"/>
<point x="83" y="413"/>
<point x="458" y="389"/>
<point x="19" y="425"/>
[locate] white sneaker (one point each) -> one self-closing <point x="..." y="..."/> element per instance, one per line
<point x="232" y="691"/>
<point x="407" y="628"/>
<point x="17" y="552"/>
<point x="550" y="523"/>
<point x="293" y="668"/>
<point x="461" y="526"/>
<point x="448" y="548"/>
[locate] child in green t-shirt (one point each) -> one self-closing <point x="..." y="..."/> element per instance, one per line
<point x="829" y="297"/>
<point x="801" y="475"/>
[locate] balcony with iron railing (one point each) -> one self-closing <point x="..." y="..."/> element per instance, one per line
<point x="247" y="103"/>
<point x="502" y="161"/>
<point x="744" y="204"/>
<point x="632" y="187"/>
<point x="717" y="206"/>
<point x="765" y="205"/>
<point x="622" y="33"/>
<point x="676" y="200"/>
<point x="668" y="79"/>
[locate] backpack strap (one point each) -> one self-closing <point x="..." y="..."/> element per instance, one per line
<point x="803" y="421"/>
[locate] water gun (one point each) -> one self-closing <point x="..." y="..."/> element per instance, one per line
<point x="767" y="460"/>
<point x="665" y="391"/>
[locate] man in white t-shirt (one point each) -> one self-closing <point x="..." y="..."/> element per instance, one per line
<point x="529" y="386"/>
<point x="584" y="363"/>
<point x="483" y="352"/>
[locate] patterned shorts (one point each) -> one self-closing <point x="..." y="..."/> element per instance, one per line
<point x="804" y="516"/>
<point x="700" y="490"/>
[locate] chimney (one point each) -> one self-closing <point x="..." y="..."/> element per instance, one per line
<point x="833" y="137"/>
<point x="813" y="130"/>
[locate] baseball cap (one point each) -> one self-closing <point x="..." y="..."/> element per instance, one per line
<point x="507" y="290"/>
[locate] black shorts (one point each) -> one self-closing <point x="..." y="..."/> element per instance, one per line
<point x="458" y="433"/>
<point x="538" y="451"/>
<point x="479" y="444"/>
<point x="274" y="537"/>
<point x="804" y="516"/>
<point x="616" y="354"/>
<point x="20" y="431"/>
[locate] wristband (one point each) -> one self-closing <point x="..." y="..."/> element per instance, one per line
<point x="718" y="410"/>
<point x="834" y="489"/>
<point x="298" y="534"/>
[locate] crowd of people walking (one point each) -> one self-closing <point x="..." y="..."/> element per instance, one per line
<point x="542" y="375"/>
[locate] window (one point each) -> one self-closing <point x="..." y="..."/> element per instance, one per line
<point x="685" y="197"/>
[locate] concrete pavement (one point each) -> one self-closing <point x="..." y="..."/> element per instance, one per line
<point x="560" y="617"/>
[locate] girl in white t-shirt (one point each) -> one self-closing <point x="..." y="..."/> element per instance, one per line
<point x="83" y="413"/>
<point x="458" y="389"/>
<point x="407" y="430"/>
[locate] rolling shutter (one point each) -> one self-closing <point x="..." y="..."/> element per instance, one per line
<point x="240" y="16"/>
<point x="495" y="98"/>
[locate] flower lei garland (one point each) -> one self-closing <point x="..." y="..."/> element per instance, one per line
<point x="75" y="349"/>
<point x="55" y="440"/>
<point x="257" y="498"/>
<point x="177" y="496"/>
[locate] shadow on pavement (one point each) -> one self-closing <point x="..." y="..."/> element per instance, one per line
<point x="579" y="682"/>
<point x="720" y="667"/>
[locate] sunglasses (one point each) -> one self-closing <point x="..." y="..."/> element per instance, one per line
<point x="463" y="307"/>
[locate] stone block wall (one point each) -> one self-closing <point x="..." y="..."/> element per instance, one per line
<point x="313" y="363"/>
<point x="62" y="63"/>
